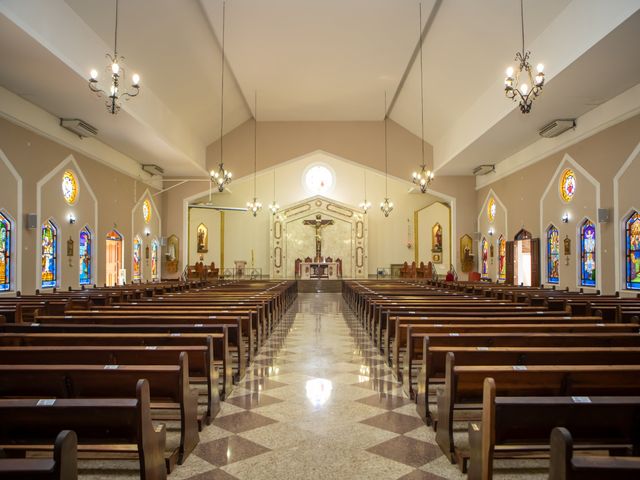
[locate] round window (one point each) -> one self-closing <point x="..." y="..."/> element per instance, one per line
<point x="318" y="179"/>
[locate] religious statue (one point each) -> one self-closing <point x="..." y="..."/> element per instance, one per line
<point x="318" y="224"/>
<point x="203" y="238"/>
<point x="436" y="241"/>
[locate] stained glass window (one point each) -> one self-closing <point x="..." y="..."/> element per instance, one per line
<point x="485" y="257"/>
<point x="502" y="258"/>
<point x="5" y="253"/>
<point x="588" y="254"/>
<point x="69" y="187"/>
<point x="85" y="256"/>
<point x="553" y="255"/>
<point x="567" y="185"/>
<point x="633" y="251"/>
<point x="49" y="255"/>
<point x="491" y="210"/>
<point x="146" y="211"/>
<point x="154" y="259"/>
<point x="137" y="258"/>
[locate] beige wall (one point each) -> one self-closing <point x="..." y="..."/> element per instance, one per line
<point x="388" y="237"/>
<point x="600" y="158"/>
<point x="34" y="157"/>
<point x="499" y="228"/>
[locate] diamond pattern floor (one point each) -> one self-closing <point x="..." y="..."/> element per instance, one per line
<point x="319" y="403"/>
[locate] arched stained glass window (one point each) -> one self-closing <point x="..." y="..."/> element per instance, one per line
<point x="84" y="251"/>
<point x="502" y="258"/>
<point x="588" y="254"/>
<point x="49" y="255"/>
<point x="485" y="257"/>
<point x="632" y="240"/>
<point x="137" y="259"/>
<point x="553" y="255"/>
<point x="5" y="253"/>
<point x="155" y="247"/>
<point x="146" y="211"/>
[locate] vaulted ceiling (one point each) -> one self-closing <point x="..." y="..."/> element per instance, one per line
<point x="318" y="60"/>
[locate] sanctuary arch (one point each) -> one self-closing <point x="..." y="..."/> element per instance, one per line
<point x="343" y="235"/>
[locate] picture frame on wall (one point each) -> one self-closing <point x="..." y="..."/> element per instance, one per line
<point x="437" y="258"/>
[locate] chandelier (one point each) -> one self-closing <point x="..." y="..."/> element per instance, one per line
<point x="117" y="74"/>
<point x="223" y="176"/>
<point x="273" y="206"/>
<point x="527" y="89"/>
<point x="255" y="206"/>
<point x="387" y="205"/>
<point x="365" y="204"/>
<point x="424" y="177"/>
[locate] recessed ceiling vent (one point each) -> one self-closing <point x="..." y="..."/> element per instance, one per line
<point x="483" y="169"/>
<point x="152" y="169"/>
<point x="557" y="127"/>
<point x="79" y="127"/>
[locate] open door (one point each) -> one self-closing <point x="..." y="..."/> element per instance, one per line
<point x="510" y="262"/>
<point x="114" y="257"/>
<point x="535" y="262"/>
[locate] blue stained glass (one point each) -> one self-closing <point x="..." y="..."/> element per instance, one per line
<point x="5" y="253"/>
<point x="553" y="255"/>
<point x="588" y="254"/>
<point x="632" y="240"/>
<point x="85" y="256"/>
<point x="49" y="255"/>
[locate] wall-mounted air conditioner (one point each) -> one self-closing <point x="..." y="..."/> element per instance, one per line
<point x="557" y="127"/>
<point x="79" y="127"/>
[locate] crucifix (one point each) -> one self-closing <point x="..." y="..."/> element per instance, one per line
<point x="318" y="224"/>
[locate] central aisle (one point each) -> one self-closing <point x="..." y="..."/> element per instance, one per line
<point x="318" y="403"/>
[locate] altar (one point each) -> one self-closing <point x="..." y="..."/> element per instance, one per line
<point x="319" y="270"/>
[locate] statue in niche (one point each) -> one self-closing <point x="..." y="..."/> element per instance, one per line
<point x="436" y="238"/>
<point x="203" y="238"/>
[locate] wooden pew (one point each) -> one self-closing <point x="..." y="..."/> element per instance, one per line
<point x="565" y="465"/>
<point x="149" y="341"/>
<point x="63" y="465"/>
<point x="463" y="390"/>
<point x="200" y="364"/>
<point x="238" y="354"/>
<point x="169" y="391"/>
<point x="102" y="426"/>
<point x="513" y="425"/>
<point x="435" y="366"/>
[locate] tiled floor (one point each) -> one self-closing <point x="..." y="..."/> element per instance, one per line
<point x="318" y="403"/>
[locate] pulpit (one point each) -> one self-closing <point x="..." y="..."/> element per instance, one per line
<point x="241" y="265"/>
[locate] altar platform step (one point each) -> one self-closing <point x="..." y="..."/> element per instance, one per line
<point x="319" y="286"/>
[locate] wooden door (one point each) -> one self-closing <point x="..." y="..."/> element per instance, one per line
<point x="535" y="262"/>
<point x="511" y="258"/>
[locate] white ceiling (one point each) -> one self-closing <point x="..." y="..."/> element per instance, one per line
<point x="308" y="60"/>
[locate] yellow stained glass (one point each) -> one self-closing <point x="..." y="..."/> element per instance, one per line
<point x="491" y="210"/>
<point x="146" y="211"/>
<point x="69" y="187"/>
<point x="567" y="185"/>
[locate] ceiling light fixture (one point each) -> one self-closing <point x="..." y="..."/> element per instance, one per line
<point x="273" y="206"/>
<point x="516" y="90"/>
<point x="387" y="205"/>
<point x="255" y="206"/>
<point x="117" y="73"/>
<point x="222" y="177"/>
<point x="424" y="177"/>
<point x="365" y="205"/>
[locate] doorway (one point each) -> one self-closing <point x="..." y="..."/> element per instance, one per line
<point x="524" y="261"/>
<point x="114" y="257"/>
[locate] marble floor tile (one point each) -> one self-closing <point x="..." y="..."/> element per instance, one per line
<point x="318" y="402"/>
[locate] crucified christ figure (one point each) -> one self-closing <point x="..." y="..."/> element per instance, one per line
<point x="318" y="224"/>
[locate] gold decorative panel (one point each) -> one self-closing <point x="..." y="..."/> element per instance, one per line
<point x="277" y="261"/>
<point x="359" y="257"/>
<point x="332" y="207"/>
<point x="359" y="229"/>
<point x="277" y="230"/>
<point x="297" y="210"/>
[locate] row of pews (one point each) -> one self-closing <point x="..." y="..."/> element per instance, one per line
<point x="504" y="372"/>
<point x="135" y="371"/>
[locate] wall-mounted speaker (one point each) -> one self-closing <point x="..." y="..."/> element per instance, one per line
<point x="603" y="215"/>
<point x="32" y="221"/>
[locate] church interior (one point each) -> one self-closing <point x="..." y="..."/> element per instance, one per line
<point x="305" y="239"/>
